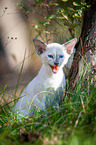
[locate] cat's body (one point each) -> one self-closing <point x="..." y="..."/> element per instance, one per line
<point x="46" y="89"/>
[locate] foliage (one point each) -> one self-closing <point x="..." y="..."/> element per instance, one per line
<point x="56" y="14"/>
<point x="74" y="122"/>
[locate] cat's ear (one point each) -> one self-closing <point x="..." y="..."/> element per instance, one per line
<point x="69" y="46"/>
<point x="40" y="46"/>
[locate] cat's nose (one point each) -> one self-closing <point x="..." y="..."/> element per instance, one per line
<point x="56" y="63"/>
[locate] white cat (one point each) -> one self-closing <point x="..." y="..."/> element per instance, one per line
<point x="47" y="88"/>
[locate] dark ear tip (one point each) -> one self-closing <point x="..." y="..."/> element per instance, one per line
<point x="35" y="40"/>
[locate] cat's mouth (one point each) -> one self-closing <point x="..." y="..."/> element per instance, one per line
<point x="54" y="68"/>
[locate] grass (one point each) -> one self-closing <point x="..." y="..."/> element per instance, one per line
<point x="74" y="123"/>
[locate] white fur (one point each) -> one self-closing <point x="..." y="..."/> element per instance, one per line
<point x="36" y="91"/>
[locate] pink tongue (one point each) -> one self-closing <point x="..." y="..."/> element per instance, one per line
<point x="54" y="69"/>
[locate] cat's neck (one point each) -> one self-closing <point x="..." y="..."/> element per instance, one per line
<point x="49" y="79"/>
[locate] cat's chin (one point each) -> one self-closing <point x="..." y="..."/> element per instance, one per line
<point x="54" y="68"/>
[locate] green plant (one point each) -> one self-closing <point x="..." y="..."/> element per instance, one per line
<point x="63" y="15"/>
<point x="74" y="122"/>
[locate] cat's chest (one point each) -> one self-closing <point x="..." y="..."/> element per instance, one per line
<point x="53" y="82"/>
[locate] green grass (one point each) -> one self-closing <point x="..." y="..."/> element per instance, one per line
<point x="74" y="123"/>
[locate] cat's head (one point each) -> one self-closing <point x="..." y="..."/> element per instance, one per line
<point x="54" y="55"/>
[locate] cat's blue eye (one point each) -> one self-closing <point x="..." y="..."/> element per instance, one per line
<point x="61" y="56"/>
<point x="50" y="56"/>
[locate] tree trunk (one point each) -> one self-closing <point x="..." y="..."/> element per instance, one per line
<point x="86" y="45"/>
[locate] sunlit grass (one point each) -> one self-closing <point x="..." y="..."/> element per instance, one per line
<point x="73" y="123"/>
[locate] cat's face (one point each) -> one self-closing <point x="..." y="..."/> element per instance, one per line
<point x="54" y="55"/>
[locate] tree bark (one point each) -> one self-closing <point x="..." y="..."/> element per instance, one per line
<point x="86" y="45"/>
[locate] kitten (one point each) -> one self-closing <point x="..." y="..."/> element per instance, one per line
<point x="47" y="88"/>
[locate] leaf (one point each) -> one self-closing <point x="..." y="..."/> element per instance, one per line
<point x="76" y="15"/>
<point x="76" y="4"/>
<point x="80" y="12"/>
<point x="67" y="23"/>
<point x="36" y="26"/>
<point x="51" y="3"/>
<point x="22" y="6"/>
<point x="41" y="22"/>
<point x="70" y="8"/>
<point x="47" y="32"/>
<point x="51" y="17"/>
<point x="60" y="18"/>
<point x="64" y="0"/>
<point x="84" y="4"/>
<point x="59" y="8"/>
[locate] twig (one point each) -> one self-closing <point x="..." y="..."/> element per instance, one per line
<point x="82" y="103"/>
<point x="77" y="120"/>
